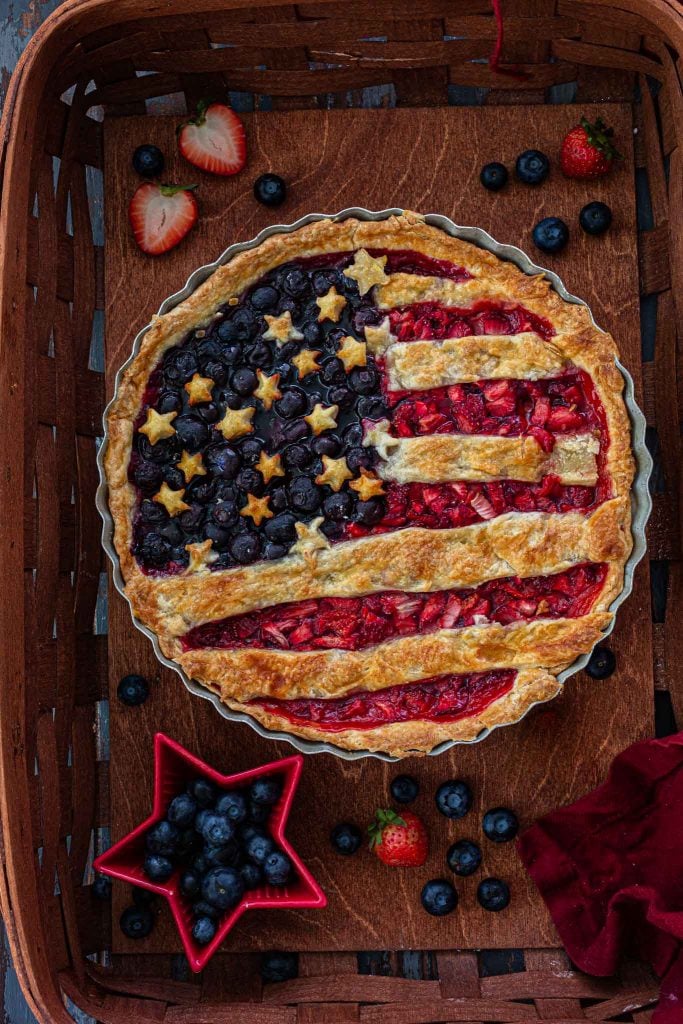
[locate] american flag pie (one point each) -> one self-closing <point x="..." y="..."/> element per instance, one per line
<point x="370" y="484"/>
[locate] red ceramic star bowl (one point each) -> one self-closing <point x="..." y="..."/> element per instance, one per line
<point x="174" y="767"/>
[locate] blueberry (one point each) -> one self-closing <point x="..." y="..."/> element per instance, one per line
<point x="550" y="234"/>
<point x="295" y="283"/>
<point x="493" y="894"/>
<point x="190" y="884"/>
<point x="252" y="876"/>
<point x="201" y="908"/>
<point x="217" y="829"/>
<point x="271" y="190"/>
<point x="333" y="371"/>
<point x="258" y="813"/>
<point x="463" y="857"/>
<point x="227" y="855"/>
<point x="203" y="930"/>
<point x="231" y="353"/>
<point x="201" y="490"/>
<point x="532" y="167"/>
<point x="304" y="496"/>
<point x="189" y="843"/>
<point x="148" y="161"/>
<point x="133" y="690"/>
<point x="264" y="298"/>
<point x="222" y="461"/>
<point x="219" y="535"/>
<point x="192" y="432"/>
<point x="244" y="381"/>
<point x="294" y="402"/>
<point x="101" y="887"/>
<point x="250" y="480"/>
<point x="359" y="456"/>
<point x="172" y="532"/>
<point x="163" y="838"/>
<point x="222" y="888"/>
<point x="174" y="478"/>
<point x="277" y="868"/>
<point x="338" y="507"/>
<point x="155" y="550"/>
<point x="216" y="371"/>
<point x="288" y="433"/>
<point x="279" y="967"/>
<point x="148" y="476"/>
<point x="229" y="332"/>
<point x="204" y="792"/>
<point x="353" y="434"/>
<point x="157" y="867"/>
<point x="179" y="365"/>
<point x="364" y="379"/>
<point x="244" y="324"/>
<point x="259" y="848"/>
<point x="439" y="897"/>
<point x="327" y="444"/>
<point x="341" y="396"/>
<point x="250" y="450"/>
<point x="404" y="789"/>
<point x="595" y="218"/>
<point x="137" y="922"/>
<point x="500" y="825"/>
<point x="234" y="806"/>
<point x="245" y="548"/>
<point x="311" y="332"/>
<point x="346" y="838"/>
<point x="601" y="663"/>
<point x="169" y="400"/>
<point x="281" y="529"/>
<point x="296" y="456"/>
<point x="454" y="798"/>
<point x="225" y="513"/>
<point x="248" y="832"/>
<point x="278" y="499"/>
<point x="266" y="790"/>
<point x="181" y="810"/>
<point x="143" y="897"/>
<point x="493" y="176"/>
<point x="258" y="356"/>
<point x="372" y="409"/>
<point x="152" y="512"/>
<point x="369" y="513"/>
<point x="331" y="528"/>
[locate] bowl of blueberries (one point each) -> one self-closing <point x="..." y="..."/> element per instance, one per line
<point x="214" y="846"/>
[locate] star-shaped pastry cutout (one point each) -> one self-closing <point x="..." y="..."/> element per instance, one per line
<point x="379" y="338"/>
<point x="267" y="390"/>
<point x="323" y="417"/>
<point x="269" y="466"/>
<point x="123" y="860"/>
<point x="310" y="538"/>
<point x="171" y="500"/>
<point x="306" y="362"/>
<point x="367" y="485"/>
<point x="330" y="305"/>
<point x="191" y="466"/>
<point x="367" y="271"/>
<point x="158" y="425"/>
<point x="201" y="555"/>
<point x="352" y="353"/>
<point x="335" y="472"/>
<point x="257" y="508"/>
<point x="199" y="389"/>
<point x="236" y="423"/>
<point x="281" y="329"/>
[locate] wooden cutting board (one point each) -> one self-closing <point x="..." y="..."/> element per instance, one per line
<point x="426" y="160"/>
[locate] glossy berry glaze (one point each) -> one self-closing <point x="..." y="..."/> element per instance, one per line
<point x="446" y="698"/>
<point x="354" y="623"/>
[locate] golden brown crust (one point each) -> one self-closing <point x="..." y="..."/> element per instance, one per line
<point x="410" y="559"/>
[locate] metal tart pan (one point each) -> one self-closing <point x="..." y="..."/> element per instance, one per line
<point x="641" y="503"/>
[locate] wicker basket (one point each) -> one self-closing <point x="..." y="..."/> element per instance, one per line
<point x="54" y="770"/>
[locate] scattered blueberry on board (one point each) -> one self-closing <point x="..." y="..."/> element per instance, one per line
<point x="595" y="218"/>
<point x="532" y="167"/>
<point x="494" y="176"/>
<point x="270" y="189"/>
<point x="346" y="838"/>
<point x="137" y="922"/>
<point x="439" y="897"/>
<point x="148" y="161"/>
<point x="454" y="798"/>
<point x="463" y="857"/>
<point x="500" y="825"/>
<point x="133" y="690"/>
<point x="404" y="789"/>
<point x="279" y="967"/>
<point x="601" y="663"/>
<point x="101" y="887"/>
<point x="493" y="894"/>
<point x="550" y="234"/>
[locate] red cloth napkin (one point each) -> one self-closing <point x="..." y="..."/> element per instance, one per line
<point x="610" y="869"/>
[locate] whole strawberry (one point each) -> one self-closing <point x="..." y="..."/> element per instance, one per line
<point x="587" y="150"/>
<point x="399" y="840"/>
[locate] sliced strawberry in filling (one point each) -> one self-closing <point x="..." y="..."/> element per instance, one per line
<point x="355" y="623"/>
<point x="425" y="320"/>
<point x="446" y="698"/>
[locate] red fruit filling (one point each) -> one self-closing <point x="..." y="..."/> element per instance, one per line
<point x="354" y="623"/>
<point x="405" y="261"/>
<point x="425" y="320"/>
<point x="499" y="407"/>
<point x="437" y="699"/>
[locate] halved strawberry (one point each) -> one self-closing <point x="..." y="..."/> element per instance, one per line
<point x="161" y="215"/>
<point x="214" y="140"/>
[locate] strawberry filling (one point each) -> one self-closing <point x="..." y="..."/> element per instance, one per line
<point x="427" y="320"/>
<point x="405" y="261"/>
<point x="446" y="698"/>
<point x="354" y="623"/>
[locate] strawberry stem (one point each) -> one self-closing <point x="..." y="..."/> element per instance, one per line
<point x="171" y="190"/>
<point x="383" y="817"/>
<point x="600" y="137"/>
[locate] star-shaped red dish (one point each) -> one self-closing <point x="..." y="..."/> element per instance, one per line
<point x="174" y="767"/>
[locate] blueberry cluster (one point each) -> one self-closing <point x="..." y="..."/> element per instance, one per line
<point x="219" y="838"/>
<point x="234" y="354"/>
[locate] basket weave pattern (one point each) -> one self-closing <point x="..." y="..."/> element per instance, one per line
<point x="83" y="65"/>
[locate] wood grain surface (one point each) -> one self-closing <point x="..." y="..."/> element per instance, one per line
<point x="427" y="160"/>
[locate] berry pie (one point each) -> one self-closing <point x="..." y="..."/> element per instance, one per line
<point x="370" y="485"/>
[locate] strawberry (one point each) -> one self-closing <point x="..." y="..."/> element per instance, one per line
<point x="399" y="840"/>
<point x="161" y="215"/>
<point x="587" y="150"/>
<point x="214" y="140"/>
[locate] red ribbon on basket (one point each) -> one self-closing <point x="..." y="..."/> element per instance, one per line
<point x="494" y="59"/>
<point x="610" y="869"/>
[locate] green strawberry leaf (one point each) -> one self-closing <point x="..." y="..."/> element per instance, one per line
<point x="383" y="817"/>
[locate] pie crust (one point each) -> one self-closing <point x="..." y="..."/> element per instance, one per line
<point x="411" y="559"/>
